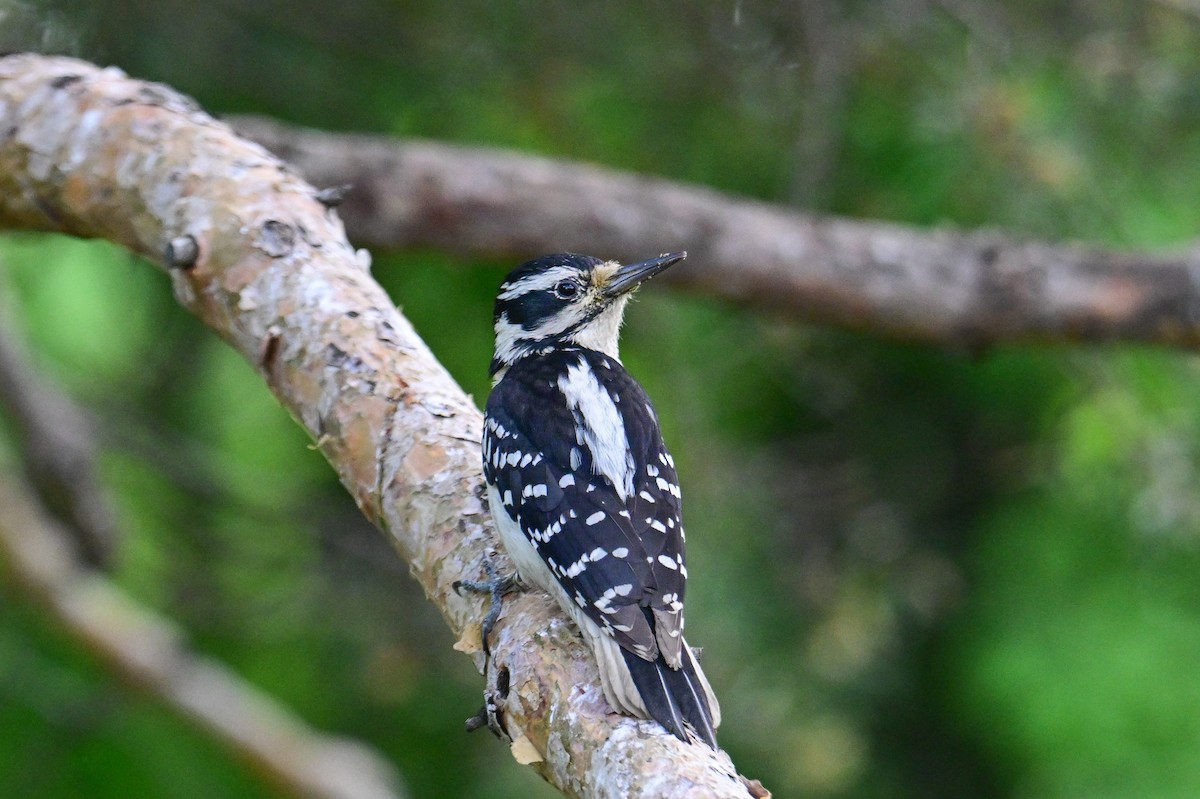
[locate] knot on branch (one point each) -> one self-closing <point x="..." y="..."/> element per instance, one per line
<point x="182" y="252"/>
<point x="276" y="238"/>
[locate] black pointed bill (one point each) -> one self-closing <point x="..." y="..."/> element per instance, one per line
<point x="631" y="276"/>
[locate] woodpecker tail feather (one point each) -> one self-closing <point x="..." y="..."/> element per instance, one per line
<point x="678" y="699"/>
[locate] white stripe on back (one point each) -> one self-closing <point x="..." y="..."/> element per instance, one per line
<point x="599" y="424"/>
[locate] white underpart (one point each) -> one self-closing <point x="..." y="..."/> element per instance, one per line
<point x="619" y="690"/>
<point x="600" y="426"/>
<point x="522" y="551"/>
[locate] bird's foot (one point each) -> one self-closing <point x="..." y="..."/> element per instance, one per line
<point x="489" y="715"/>
<point x="497" y="586"/>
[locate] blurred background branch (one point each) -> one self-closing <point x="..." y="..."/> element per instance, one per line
<point x="58" y="450"/>
<point x="151" y="655"/>
<point x="958" y="288"/>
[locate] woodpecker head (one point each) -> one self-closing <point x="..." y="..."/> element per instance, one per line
<point x="566" y="299"/>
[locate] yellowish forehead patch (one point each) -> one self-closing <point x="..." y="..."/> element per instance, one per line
<point x="603" y="273"/>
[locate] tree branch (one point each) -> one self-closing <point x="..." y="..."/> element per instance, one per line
<point x="58" y="450"/>
<point x="148" y="651"/>
<point x="972" y="288"/>
<point x="258" y="258"/>
<point x="58" y="565"/>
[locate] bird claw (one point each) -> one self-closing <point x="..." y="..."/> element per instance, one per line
<point x="496" y="586"/>
<point x="489" y="715"/>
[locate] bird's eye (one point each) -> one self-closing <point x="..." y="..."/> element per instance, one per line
<point x="566" y="289"/>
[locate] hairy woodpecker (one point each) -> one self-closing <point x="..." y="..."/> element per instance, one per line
<point x="582" y="489"/>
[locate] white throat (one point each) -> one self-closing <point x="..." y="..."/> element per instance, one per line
<point x="602" y="333"/>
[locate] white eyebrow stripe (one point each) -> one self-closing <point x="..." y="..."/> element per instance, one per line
<point x="541" y="281"/>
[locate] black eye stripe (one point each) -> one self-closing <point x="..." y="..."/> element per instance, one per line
<point x="532" y="309"/>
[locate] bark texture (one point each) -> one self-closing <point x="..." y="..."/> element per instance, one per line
<point x="256" y="256"/>
<point x="973" y="289"/>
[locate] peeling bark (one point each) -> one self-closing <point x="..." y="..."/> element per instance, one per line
<point x="92" y="152"/>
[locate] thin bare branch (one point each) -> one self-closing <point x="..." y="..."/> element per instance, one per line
<point x="973" y="288"/>
<point x="147" y="651"/>
<point x="94" y="153"/>
<point x="59" y="451"/>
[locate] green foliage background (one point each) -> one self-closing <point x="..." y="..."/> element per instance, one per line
<point x="918" y="571"/>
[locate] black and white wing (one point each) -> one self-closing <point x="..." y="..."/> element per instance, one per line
<point x="602" y="510"/>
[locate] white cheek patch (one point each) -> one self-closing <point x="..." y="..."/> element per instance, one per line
<point x="513" y="341"/>
<point x="509" y="338"/>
